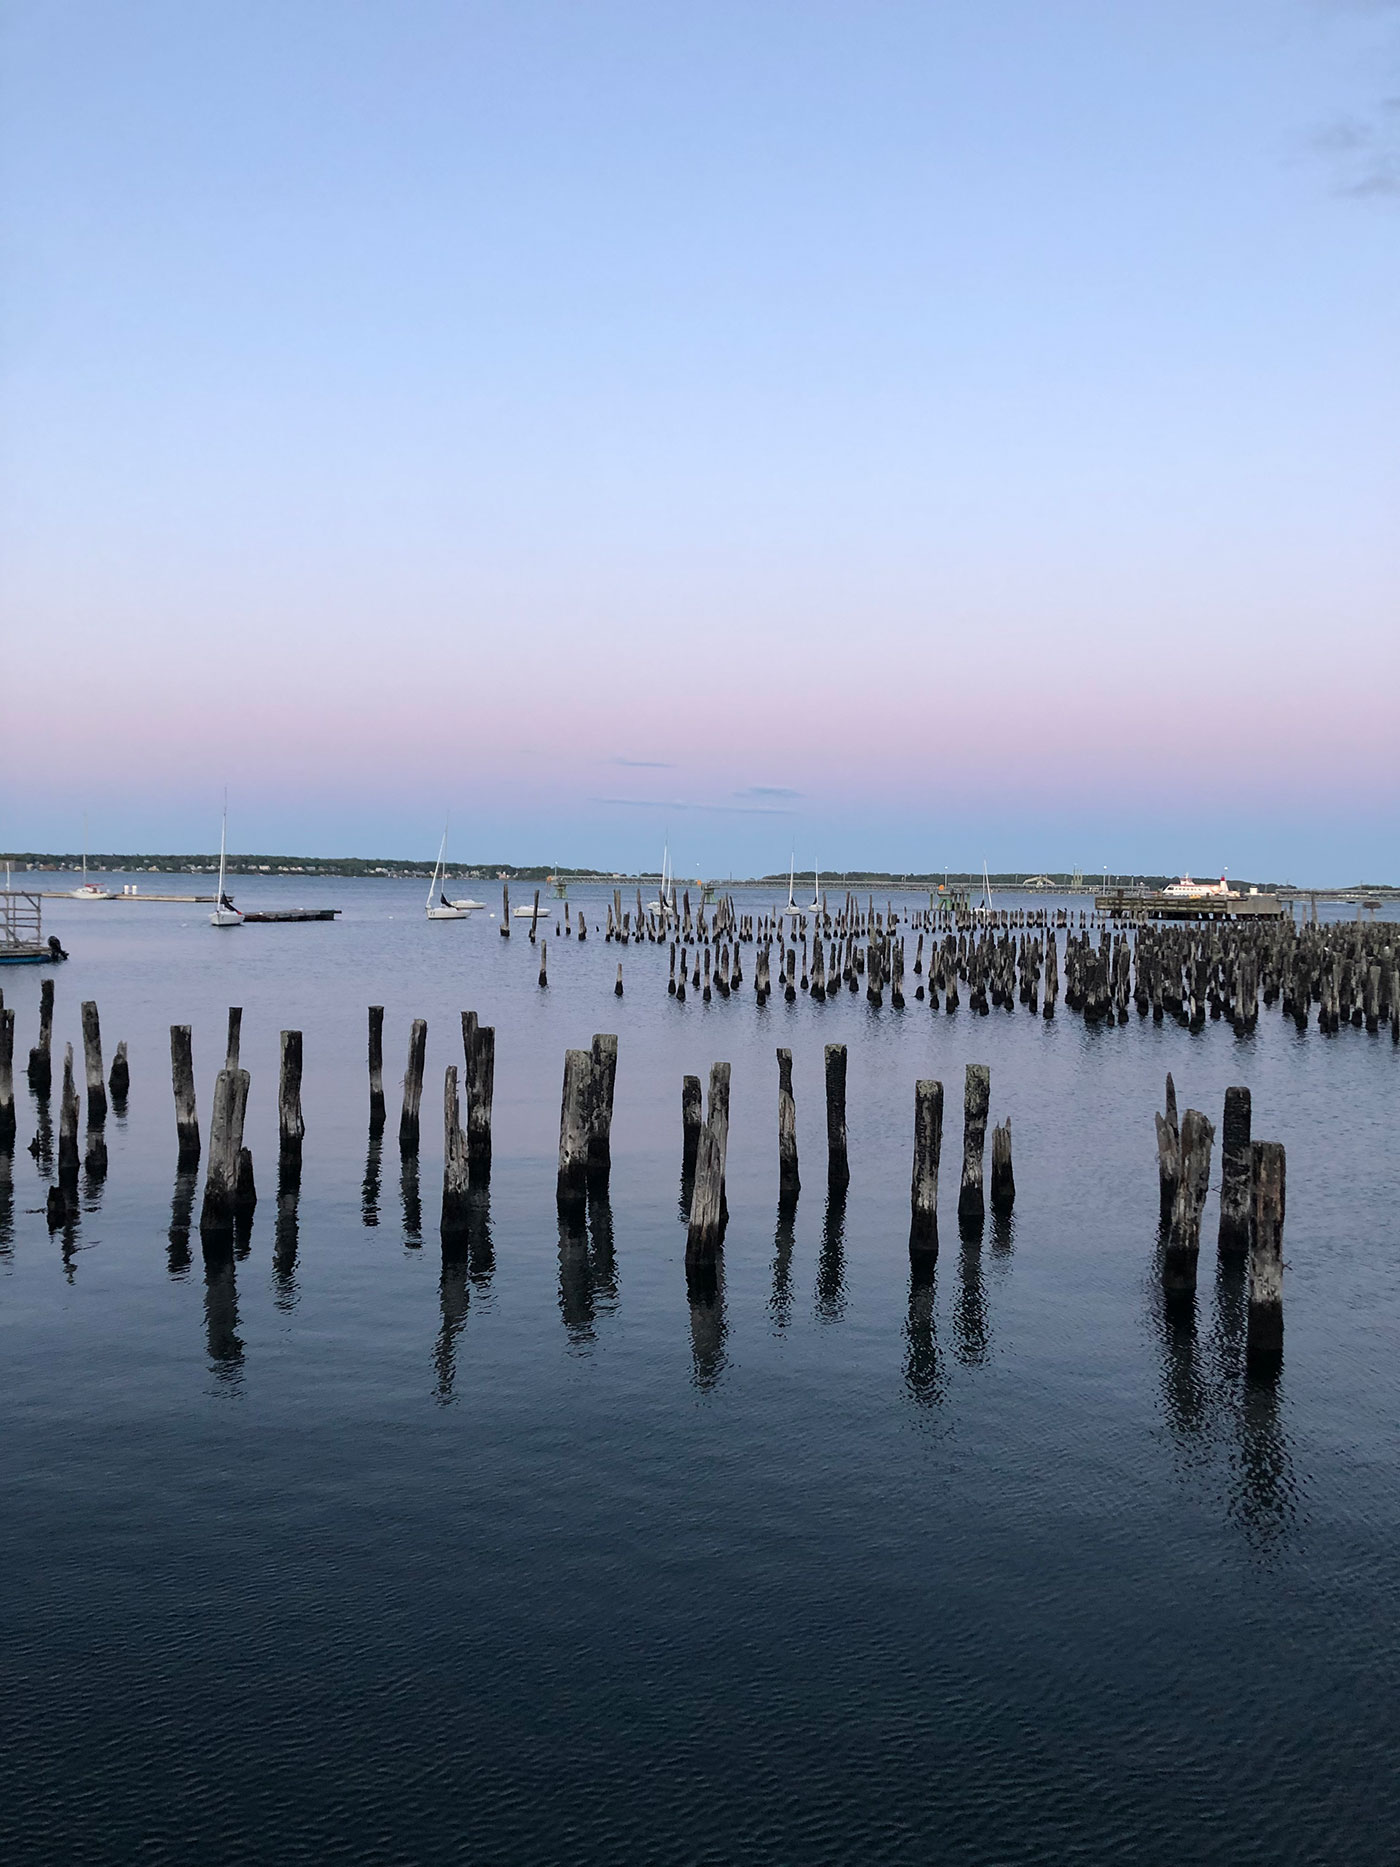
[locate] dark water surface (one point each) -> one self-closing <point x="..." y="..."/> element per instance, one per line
<point x="347" y="1553"/>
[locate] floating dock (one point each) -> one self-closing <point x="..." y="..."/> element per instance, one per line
<point x="1128" y="906"/>
<point x="292" y="914"/>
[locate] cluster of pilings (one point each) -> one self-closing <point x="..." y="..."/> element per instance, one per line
<point x="1252" y="1187"/>
<point x="89" y="1154"/>
<point x="1001" y="959"/>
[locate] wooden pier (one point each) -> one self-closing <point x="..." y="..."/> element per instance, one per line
<point x="1124" y="904"/>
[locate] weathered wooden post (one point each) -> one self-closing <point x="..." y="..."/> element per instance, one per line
<point x="505" y="910"/>
<point x="838" y="1172"/>
<point x="692" y="1103"/>
<point x="235" y="1034"/>
<point x="226" y="1149"/>
<point x="706" y="1229"/>
<point x="479" y="1047"/>
<point x="119" y="1082"/>
<point x="376" y="1069"/>
<point x="92" y="1063"/>
<point x="977" y="1100"/>
<point x="544" y="964"/>
<point x="789" y="1182"/>
<point x="617" y="989"/>
<point x="456" y="1167"/>
<point x="1003" y="1179"/>
<point x="1264" y="1327"/>
<point x="1236" y="1175"/>
<point x="7" y="1079"/>
<point x="182" y="1081"/>
<point x="1184" y="1236"/>
<point x="41" y="1056"/>
<point x="928" y="1148"/>
<point x="1168" y="1150"/>
<point x="68" y="1124"/>
<point x="572" y="1186"/>
<point x="600" y="1110"/>
<point x="290" y="1126"/>
<point x="413" y="1087"/>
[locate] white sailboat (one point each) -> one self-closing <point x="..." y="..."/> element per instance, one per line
<point x="816" y="906"/>
<point x="986" y="908"/>
<point x="441" y="909"/>
<point x="662" y="903"/>
<point x="90" y="891"/>
<point x="792" y="907"/>
<point x="225" y="913"/>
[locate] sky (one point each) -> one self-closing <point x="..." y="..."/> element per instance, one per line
<point x="887" y="435"/>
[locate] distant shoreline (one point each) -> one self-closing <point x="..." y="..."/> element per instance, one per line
<point x="355" y="868"/>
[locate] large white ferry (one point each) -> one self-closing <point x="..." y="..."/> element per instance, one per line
<point x="1187" y="890"/>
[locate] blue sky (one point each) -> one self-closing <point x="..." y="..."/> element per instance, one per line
<point x="899" y="433"/>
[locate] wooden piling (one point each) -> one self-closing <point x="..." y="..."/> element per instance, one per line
<point x="977" y="1098"/>
<point x="225" y="1151"/>
<point x="92" y="1064"/>
<point x="182" y="1081"/>
<point x="1003" y="1179"/>
<point x="456" y="1165"/>
<point x="600" y="1109"/>
<point x="928" y="1148"/>
<point x="617" y="989"/>
<point x="692" y="1105"/>
<point x="1168" y="1150"/>
<point x="1264" y="1326"/>
<point x="290" y="1126"/>
<point x="479" y="1047"/>
<point x="706" y="1229"/>
<point x="534" y="917"/>
<point x="838" y="1172"/>
<point x="1236" y="1174"/>
<point x="572" y="1186"/>
<point x="41" y="1056"/>
<point x="505" y="910"/>
<point x="235" y="1034"/>
<point x="544" y="964"/>
<point x="413" y="1087"/>
<point x="376" y="1069"/>
<point x="119" y="1082"/>
<point x="1184" y="1235"/>
<point x="68" y="1124"/>
<point x="7" y="1079"/>
<point x="789" y="1181"/>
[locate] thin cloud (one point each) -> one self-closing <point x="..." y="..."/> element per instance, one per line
<point x="1363" y="152"/>
<point x="645" y="764"/>
<point x="677" y="804"/>
<point x="765" y="790"/>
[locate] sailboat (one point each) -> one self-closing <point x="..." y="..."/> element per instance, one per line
<point x="792" y="907"/>
<point x="225" y="913"/>
<point x="986" y="909"/>
<point x="662" y="903"/>
<point x="442" y="909"/>
<point x="90" y="891"/>
<point x="816" y="906"/>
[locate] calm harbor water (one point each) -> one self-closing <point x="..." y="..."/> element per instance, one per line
<point x="352" y="1554"/>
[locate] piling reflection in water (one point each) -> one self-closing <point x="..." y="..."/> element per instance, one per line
<point x="831" y="1259"/>
<point x="221" y="1320"/>
<point x="181" y="1218"/>
<point x="704" y="1287"/>
<point x="971" y="1326"/>
<point x="369" y="1190"/>
<point x="7" y="1201"/>
<point x="924" y="1376"/>
<point x="285" y="1238"/>
<point x="1224" y="1420"/>
<point x="454" y="1300"/>
<point x="587" y="1269"/>
<point x="784" y="1241"/>
<point x="41" y="1147"/>
<point x="412" y="1203"/>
